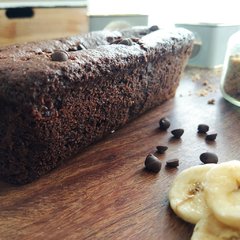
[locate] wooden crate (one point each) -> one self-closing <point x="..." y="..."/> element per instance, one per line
<point x="46" y="23"/>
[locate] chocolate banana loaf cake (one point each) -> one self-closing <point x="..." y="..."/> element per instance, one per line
<point x="59" y="96"/>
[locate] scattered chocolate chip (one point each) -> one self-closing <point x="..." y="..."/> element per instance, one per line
<point x="203" y="128"/>
<point x="208" y="157"/>
<point x="152" y="163"/>
<point x="154" y="28"/>
<point x="59" y="56"/>
<point x="172" y="163"/>
<point x="161" y="149"/>
<point x="126" y="41"/>
<point x="211" y="136"/>
<point x="164" y="123"/>
<point x="177" y="133"/>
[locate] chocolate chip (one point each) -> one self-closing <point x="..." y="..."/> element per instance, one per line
<point x="135" y="39"/>
<point x="211" y="136"/>
<point x="152" y="163"/>
<point x="211" y="101"/>
<point x="161" y="149"/>
<point x="143" y="33"/>
<point x="177" y="133"/>
<point x="208" y="157"/>
<point x="126" y="41"/>
<point x="203" y="128"/>
<point x="164" y="123"/>
<point x="80" y="47"/>
<point x="59" y="56"/>
<point x="154" y="28"/>
<point x="172" y="163"/>
<point x="116" y="40"/>
<point x="110" y="39"/>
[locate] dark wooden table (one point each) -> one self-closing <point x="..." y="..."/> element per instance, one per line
<point x="105" y="193"/>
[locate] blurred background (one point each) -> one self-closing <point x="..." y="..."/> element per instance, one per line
<point x="212" y="21"/>
<point x="172" y="11"/>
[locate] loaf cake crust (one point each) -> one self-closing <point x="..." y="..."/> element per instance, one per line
<point x="50" y="110"/>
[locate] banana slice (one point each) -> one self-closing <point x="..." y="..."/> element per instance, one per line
<point x="186" y="194"/>
<point x="208" y="228"/>
<point x="222" y="192"/>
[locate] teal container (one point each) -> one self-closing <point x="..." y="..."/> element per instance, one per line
<point x="210" y="43"/>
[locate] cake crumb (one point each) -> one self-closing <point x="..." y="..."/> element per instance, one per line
<point x="208" y="88"/>
<point x="196" y="77"/>
<point x="202" y="92"/>
<point x="211" y="101"/>
<point x="205" y="83"/>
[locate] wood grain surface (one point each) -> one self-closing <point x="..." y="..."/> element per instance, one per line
<point x="105" y="192"/>
<point x="60" y="22"/>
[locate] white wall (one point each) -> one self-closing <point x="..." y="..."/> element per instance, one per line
<point x="118" y="6"/>
<point x="214" y="11"/>
<point x="166" y="12"/>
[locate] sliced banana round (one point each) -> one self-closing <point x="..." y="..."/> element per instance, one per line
<point x="186" y="193"/>
<point x="222" y="192"/>
<point x="208" y="228"/>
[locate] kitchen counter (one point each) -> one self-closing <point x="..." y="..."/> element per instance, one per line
<point x="105" y="192"/>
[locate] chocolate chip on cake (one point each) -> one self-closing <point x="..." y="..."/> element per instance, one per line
<point x="110" y="39"/>
<point x="135" y="39"/>
<point x="152" y="163"/>
<point x="80" y="47"/>
<point x="154" y="28"/>
<point x="211" y="136"/>
<point x="126" y="41"/>
<point x="172" y="163"/>
<point x="208" y="157"/>
<point x="177" y="133"/>
<point x="203" y="128"/>
<point x="59" y="56"/>
<point x="164" y="123"/>
<point x="115" y="40"/>
<point x="161" y="149"/>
